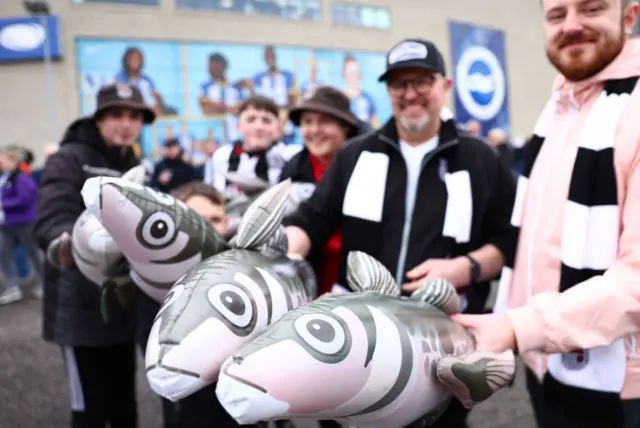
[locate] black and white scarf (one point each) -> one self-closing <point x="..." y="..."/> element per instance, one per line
<point x="590" y="230"/>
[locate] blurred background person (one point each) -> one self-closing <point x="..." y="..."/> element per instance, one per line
<point x="172" y="171"/>
<point x="208" y="147"/>
<point x="218" y="96"/>
<point x="510" y="154"/>
<point x="259" y="153"/>
<point x="309" y="87"/>
<point x="19" y="200"/>
<point x="132" y="73"/>
<point x="474" y="128"/>
<point x="362" y="104"/>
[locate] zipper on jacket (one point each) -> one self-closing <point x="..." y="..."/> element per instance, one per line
<point x="408" y="215"/>
<point x="537" y="212"/>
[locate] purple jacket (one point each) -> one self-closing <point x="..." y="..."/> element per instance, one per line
<point x="19" y="199"/>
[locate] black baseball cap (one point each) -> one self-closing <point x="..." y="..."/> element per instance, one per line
<point x="414" y="53"/>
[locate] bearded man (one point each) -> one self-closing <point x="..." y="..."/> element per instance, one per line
<point x="426" y="201"/>
<point x="569" y="299"/>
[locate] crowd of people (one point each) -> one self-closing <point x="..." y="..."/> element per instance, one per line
<point x="555" y="220"/>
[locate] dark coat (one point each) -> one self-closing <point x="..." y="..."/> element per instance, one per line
<point x="72" y="314"/>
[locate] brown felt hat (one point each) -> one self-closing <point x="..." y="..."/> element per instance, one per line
<point x="326" y="100"/>
<point x="121" y="94"/>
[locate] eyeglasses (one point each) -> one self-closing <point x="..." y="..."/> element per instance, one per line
<point x="421" y="85"/>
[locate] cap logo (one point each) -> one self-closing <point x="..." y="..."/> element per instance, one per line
<point x="407" y="51"/>
<point x="124" y="91"/>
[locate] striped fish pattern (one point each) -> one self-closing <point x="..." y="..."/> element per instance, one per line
<point x="225" y="301"/>
<point x="159" y="235"/>
<point x="94" y="250"/>
<point x="373" y="359"/>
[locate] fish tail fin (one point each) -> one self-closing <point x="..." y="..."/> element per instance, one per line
<point x="365" y="273"/>
<point x="440" y="293"/>
<point x="477" y="376"/>
<point x="263" y="217"/>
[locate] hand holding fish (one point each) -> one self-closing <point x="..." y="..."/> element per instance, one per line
<point x="493" y="332"/>
<point x="457" y="270"/>
<point x="59" y="252"/>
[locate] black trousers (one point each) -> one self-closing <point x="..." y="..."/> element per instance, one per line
<point x="556" y="405"/>
<point x="455" y="416"/>
<point x="102" y="385"/>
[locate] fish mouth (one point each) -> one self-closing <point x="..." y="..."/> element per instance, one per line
<point x="247" y="402"/>
<point x="173" y="383"/>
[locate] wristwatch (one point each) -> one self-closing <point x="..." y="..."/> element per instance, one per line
<point x="475" y="269"/>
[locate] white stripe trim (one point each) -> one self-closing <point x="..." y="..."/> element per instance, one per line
<point x="590" y="236"/>
<point x="75" y="385"/>
<point x="518" y="205"/>
<point x="502" y="296"/>
<point x="459" y="210"/>
<point x="599" y="130"/>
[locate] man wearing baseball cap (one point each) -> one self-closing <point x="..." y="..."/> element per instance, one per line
<point x="100" y="357"/>
<point x="426" y="201"/>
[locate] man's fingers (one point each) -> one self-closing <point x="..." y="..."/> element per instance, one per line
<point x="419" y="271"/>
<point x="411" y="286"/>
<point x="468" y="321"/>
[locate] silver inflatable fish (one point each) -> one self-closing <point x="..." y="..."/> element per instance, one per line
<point x="370" y="359"/>
<point x="159" y="235"/>
<point x="94" y="250"/>
<point x="227" y="300"/>
<point x="244" y="190"/>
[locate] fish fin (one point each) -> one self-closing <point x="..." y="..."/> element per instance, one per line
<point x="137" y="174"/>
<point x="278" y="243"/>
<point x="440" y="293"/>
<point x="476" y="376"/>
<point x="263" y="218"/>
<point x="365" y="273"/>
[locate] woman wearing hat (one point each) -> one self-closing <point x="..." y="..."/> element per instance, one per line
<point x="325" y="122"/>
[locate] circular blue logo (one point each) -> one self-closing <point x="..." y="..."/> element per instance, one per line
<point x="480" y="83"/>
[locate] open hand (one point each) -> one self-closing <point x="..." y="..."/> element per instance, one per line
<point x="457" y="270"/>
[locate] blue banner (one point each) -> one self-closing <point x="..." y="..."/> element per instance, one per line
<point x="24" y="39"/>
<point x="180" y="80"/>
<point x="479" y="76"/>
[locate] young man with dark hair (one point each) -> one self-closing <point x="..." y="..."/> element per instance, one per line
<point x="258" y="154"/>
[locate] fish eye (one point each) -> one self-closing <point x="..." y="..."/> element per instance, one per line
<point x="158" y="229"/>
<point x="322" y="332"/>
<point x="171" y="297"/>
<point x="161" y="197"/>
<point x="233" y="303"/>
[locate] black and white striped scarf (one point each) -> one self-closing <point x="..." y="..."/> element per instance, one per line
<point x="590" y="229"/>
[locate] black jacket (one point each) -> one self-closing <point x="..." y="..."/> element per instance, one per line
<point x="493" y="193"/>
<point x="181" y="173"/>
<point x="72" y="302"/>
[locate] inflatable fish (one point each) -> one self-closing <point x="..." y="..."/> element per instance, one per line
<point x="299" y="193"/>
<point x="94" y="252"/>
<point x="370" y="359"/>
<point x="225" y="301"/>
<point x="243" y="190"/>
<point x="159" y="235"/>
